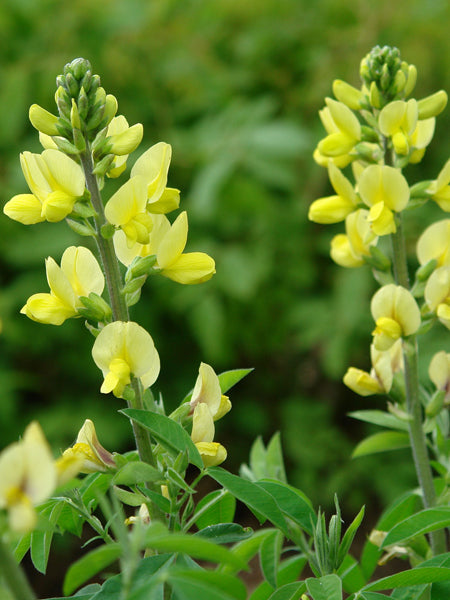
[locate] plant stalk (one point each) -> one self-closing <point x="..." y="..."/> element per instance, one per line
<point x="416" y="434"/>
<point x="14" y="575"/>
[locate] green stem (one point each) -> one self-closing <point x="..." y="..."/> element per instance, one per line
<point x="13" y="575"/>
<point x="416" y="434"/>
<point x="117" y="299"/>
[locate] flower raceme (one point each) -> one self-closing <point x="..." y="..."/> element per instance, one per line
<point x="56" y="182"/>
<point x="78" y="276"/>
<point x="123" y="350"/>
<point x="167" y="243"/>
<point x="396" y="315"/>
<point x="28" y="476"/>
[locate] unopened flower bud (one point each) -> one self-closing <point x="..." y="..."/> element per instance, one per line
<point x="83" y="103"/>
<point x="74" y="116"/>
<point x="410" y="80"/>
<point x="63" y="102"/>
<point x="71" y="85"/>
<point x="347" y="94"/>
<point x="436" y="404"/>
<point x="432" y="105"/>
<point x="42" y="120"/>
<point x="374" y="95"/>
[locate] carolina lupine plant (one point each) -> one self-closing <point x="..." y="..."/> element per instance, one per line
<point x="150" y="537"/>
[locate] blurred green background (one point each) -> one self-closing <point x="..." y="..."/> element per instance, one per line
<point x="235" y="88"/>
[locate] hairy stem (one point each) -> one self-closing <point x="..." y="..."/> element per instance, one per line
<point x="117" y="299"/>
<point x="13" y="575"/>
<point x="416" y="434"/>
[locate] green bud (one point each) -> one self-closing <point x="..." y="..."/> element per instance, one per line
<point x="419" y="190"/>
<point x="142" y="265"/>
<point x="399" y="413"/>
<point x="79" y="141"/>
<point x="436" y="404"/>
<point x="98" y="308"/>
<point x="368" y="134"/>
<point x="95" y="84"/>
<point x="84" y="210"/>
<point x="65" y="146"/>
<point x="102" y="167"/>
<point x="86" y="81"/>
<point x="107" y="231"/>
<point x="374" y="95"/>
<point x="134" y="284"/>
<point x="83" y="229"/>
<point x="369" y="152"/>
<point x="378" y="260"/>
<point x="83" y="104"/>
<point x="71" y="85"/>
<point x="100" y="143"/>
<point x="74" y="116"/>
<point x="63" y="102"/>
<point x="424" y="271"/>
<point x="399" y="83"/>
<point x="398" y="389"/>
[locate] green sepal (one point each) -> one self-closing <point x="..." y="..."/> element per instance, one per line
<point x="84" y="229"/>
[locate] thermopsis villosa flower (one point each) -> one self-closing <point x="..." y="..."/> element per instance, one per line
<point x="93" y="457"/>
<point x="56" y="182"/>
<point x="123" y="350"/>
<point x="28" y="476"/>
<point x="78" y="275"/>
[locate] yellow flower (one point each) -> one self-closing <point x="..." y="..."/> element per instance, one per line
<point x="167" y="243"/>
<point x="333" y="209"/>
<point x="42" y="120"/>
<point x="123" y="350"/>
<point x="153" y="167"/>
<point x="27" y="477"/>
<point x="207" y="390"/>
<point x="386" y="191"/>
<point x="439" y="372"/>
<point x="434" y="243"/>
<point x="126" y="209"/>
<point x="347" y="94"/>
<point x="56" y="182"/>
<point x="437" y="294"/>
<point x="439" y="189"/>
<point x="398" y="120"/>
<point x="117" y="126"/>
<point x="343" y="128"/>
<point x="79" y="275"/>
<point x="396" y="315"/>
<point x="87" y="448"/>
<point x="202" y="435"/>
<point x="348" y="250"/>
<point x="125" y="140"/>
<point x="379" y="380"/>
<point x="420" y="138"/>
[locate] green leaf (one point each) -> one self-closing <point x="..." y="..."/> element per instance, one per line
<point x="328" y="587"/>
<point x="247" y="549"/>
<point x="217" y="507"/>
<point x="193" y="546"/>
<point x="292" y="502"/>
<point x="129" y="498"/>
<point x="349" y="535"/>
<point x="167" y="432"/>
<point x="269" y="557"/>
<point x="410" y="577"/>
<point x="207" y="585"/>
<point x="274" y="459"/>
<point x="372" y="596"/>
<point x="379" y="417"/>
<point x="422" y="522"/>
<point x="258" y="458"/>
<point x="228" y="379"/>
<point x="225" y="533"/>
<point x="160" y="501"/>
<point x="290" y="591"/>
<point x="136" y="472"/>
<point x="41" y="540"/>
<point x="89" y="565"/>
<point x="251" y="494"/>
<point x="288" y="572"/>
<point x="381" y="442"/>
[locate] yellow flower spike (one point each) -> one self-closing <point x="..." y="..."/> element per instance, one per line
<point x="349" y="250"/>
<point x="27" y="477"/>
<point x="42" y="120"/>
<point x="94" y="457"/>
<point x="344" y="130"/>
<point x="190" y="268"/>
<point x="437" y="294"/>
<point x="334" y="209"/>
<point x="117" y="126"/>
<point x="123" y="350"/>
<point x="126" y="209"/>
<point x="434" y="243"/>
<point x="79" y="275"/>
<point x="396" y="315"/>
<point x="56" y="182"/>
<point x="385" y="190"/>
<point x="207" y="391"/>
<point x="124" y="142"/>
<point x="153" y="166"/>
<point x="347" y="94"/>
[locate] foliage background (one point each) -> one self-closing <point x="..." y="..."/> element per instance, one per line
<point x="235" y="88"/>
